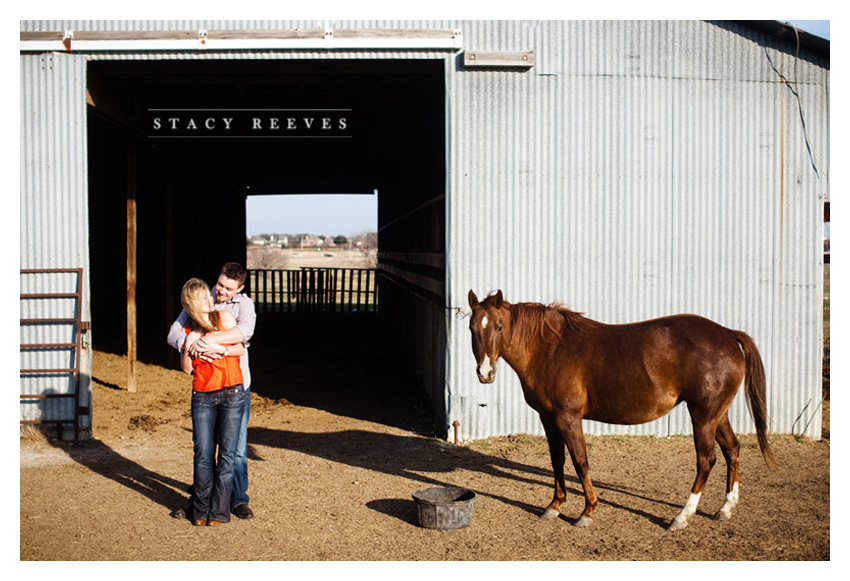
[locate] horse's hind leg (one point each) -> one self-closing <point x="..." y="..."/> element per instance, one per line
<point x="730" y="447"/>
<point x="704" y="434"/>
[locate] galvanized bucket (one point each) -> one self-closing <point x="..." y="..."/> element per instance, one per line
<point x="444" y="508"/>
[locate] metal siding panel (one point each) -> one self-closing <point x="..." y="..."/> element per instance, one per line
<point x="799" y="259"/>
<point x="183" y="25"/>
<point x="273" y="55"/>
<point x="54" y="218"/>
<point x="715" y="213"/>
<point x="53" y="162"/>
<point x="635" y="172"/>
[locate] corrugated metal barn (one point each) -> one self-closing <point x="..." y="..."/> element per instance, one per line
<point x="626" y="169"/>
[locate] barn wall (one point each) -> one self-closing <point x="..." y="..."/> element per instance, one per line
<point x="639" y="170"/>
<point x="411" y="206"/>
<point x="54" y="231"/>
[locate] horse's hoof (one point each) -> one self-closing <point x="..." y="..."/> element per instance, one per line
<point x="550" y="513"/>
<point x="720" y="515"/>
<point x="677" y="525"/>
<point x="583" y="522"/>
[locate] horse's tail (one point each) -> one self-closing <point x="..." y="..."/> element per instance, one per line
<point x="755" y="389"/>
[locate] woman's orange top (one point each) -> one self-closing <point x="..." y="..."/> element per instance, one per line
<point x="216" y="374"/>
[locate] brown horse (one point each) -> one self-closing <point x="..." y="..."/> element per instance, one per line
<point x="573" y="368"/>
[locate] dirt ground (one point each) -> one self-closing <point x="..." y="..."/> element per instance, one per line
<point x="336" y="448"/>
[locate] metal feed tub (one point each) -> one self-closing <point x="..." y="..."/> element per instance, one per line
<point x="444" y="508"/>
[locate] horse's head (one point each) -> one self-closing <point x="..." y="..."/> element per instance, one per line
<point x="489" y="323"/>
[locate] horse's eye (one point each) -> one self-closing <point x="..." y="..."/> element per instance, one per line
<point x="499" y="328"/>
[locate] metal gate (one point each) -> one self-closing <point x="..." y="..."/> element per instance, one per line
<point x="50" y="352"/>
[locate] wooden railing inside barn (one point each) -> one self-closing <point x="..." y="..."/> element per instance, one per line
<point x="313" y="290"/>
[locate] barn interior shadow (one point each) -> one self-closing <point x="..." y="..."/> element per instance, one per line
<point x="342" y="364"/>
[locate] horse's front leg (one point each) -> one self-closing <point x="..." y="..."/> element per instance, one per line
<point x="556" y="454"/>
<point x="574" y="438"/>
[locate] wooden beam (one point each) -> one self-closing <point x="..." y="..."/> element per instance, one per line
<point x="498" y="59"/>
<point x="170" y="307"/>
<point x="159" y="40"/>
<point x="131" y="268"/>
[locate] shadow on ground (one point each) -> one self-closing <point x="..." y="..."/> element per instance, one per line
<point x="345" y="366"/>
<point x="427" y="461"/>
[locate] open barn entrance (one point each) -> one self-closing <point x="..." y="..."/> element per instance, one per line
<point x="175" y="148"/>
<point x="313" y="253"/>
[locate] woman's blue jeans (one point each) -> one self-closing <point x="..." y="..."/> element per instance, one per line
<point x="216" y="421"/>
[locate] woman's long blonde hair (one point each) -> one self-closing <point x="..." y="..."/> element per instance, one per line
<point x="194" y="291"/>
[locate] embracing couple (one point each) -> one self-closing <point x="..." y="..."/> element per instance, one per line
<point x="212" y="335"/>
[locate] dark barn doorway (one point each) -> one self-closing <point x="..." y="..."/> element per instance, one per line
<point x="188" y="190"/>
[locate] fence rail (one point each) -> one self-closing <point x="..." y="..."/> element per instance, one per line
<point x="311" y="290"/>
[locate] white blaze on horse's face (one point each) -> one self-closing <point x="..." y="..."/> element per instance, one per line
<point x="486" y="370"/>
<point x="485" y="344"/>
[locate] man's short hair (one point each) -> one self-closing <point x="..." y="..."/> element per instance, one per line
<point x="235" y="271"/>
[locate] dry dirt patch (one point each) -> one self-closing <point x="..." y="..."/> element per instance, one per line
<point x="334" y="483"/>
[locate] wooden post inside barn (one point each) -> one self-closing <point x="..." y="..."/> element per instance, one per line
<point x="131" y="268"/>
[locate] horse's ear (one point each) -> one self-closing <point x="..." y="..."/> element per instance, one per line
<point x="498" y="299"/>
<point x="473" y="300"/>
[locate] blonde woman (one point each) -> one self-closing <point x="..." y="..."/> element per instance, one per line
<point x="218" y="401"/>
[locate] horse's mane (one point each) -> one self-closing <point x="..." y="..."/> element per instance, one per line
<point x="531" y="320"/>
